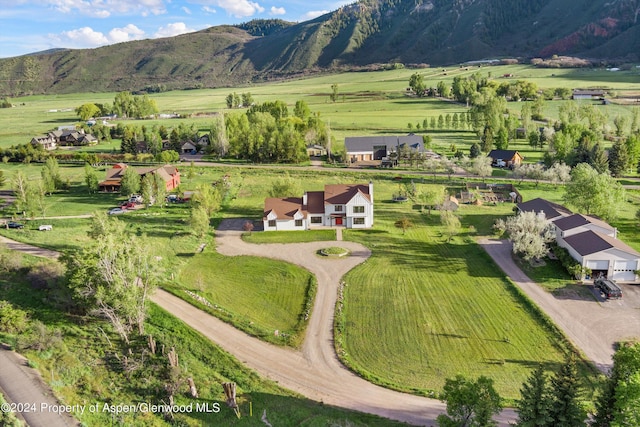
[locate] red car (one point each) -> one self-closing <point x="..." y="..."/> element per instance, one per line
<point x="128" y="205"/>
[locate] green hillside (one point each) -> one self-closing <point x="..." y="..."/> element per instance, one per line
<point x="365" y="34"/>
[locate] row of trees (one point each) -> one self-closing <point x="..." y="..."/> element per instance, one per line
<point x="550" y="401"/>
<point x="125" y="105"/>
<point x="268" y="133"/>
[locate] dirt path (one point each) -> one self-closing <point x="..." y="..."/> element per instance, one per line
<point x="28" y="249"/>
<point x="593" y="326"/>
<point x="23" y="385"/>
<point x="315" y="371"/>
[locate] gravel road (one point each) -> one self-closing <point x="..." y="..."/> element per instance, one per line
<point x="315" y="371"/>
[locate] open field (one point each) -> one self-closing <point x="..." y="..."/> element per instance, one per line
<point x="441" y="308"/>
<point x="368" y="103"/>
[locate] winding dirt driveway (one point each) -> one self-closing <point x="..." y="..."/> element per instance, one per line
<point x="315" y="371"/>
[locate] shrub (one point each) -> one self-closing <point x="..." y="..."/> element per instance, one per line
<point x="12" y="320"/>
<point x="40" y="338"/>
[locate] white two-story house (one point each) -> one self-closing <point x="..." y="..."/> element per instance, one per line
<point x="339" y="205"/>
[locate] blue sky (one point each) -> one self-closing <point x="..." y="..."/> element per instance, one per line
<point x="33" y="25"/>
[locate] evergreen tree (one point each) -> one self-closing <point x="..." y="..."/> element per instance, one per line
<point x="618" y="158"/>
<point x="455" y="121"/>
<point x="432" y="122"/>
<point x="565" y="410"/>
<point x="619" y="404"/>
<point x="474" y="151"/>
<point x="534" y="404"/>
<point x="599" y="159"/>
<point x="440" y="122"/>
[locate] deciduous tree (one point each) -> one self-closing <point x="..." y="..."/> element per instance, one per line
<point x="130" y="183"/>
<point x="530" y="234"/>
<point x="619" y="402"/>
<point x="404" y="224"/>
<point x="91" y="178"/>
<point x="594" y="193"/>
<point x="469" y="403"/>
<point x="113" y="276"/>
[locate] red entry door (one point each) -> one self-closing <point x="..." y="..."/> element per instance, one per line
<point x="339" y="220"/>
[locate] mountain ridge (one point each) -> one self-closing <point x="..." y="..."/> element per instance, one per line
<point x="360" y="35"/>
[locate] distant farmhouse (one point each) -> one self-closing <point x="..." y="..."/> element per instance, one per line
<point x="379" y="148"/>
<point x="592" y="242"/>
<point x="588" y="94"/>
<point x="169" y="174"/>
<point x="349" y="206"/>
<point x="63" y="137"/>
<point x="505" y="158"/>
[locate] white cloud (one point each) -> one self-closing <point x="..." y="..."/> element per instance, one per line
<point x="125" y="34"/>
<point x="186" y="10"/>
<point x="82" y="37"/>
<point x="105" y="8"/>
<point x="277" y="10"/>
<point x="87" y="37"/>
<point x="173" y="29"/>
<point x="235" y="8"/>
<point x="312" y="14"/>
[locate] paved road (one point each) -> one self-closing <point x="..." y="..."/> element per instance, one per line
<point x="315" y="371"/>
<point x="23" y="385"/>
<point x="592" y="324"/>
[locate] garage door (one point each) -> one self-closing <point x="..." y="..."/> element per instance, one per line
<point x="623" y="271"/>
<point x="598" y="265"/>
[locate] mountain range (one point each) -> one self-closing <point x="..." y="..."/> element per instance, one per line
<point x="363" y="35"/>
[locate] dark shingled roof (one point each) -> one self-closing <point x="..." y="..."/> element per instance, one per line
<point x="283" y="208"/>
<point x="366" y="143"/>
<point x="339" y="194"/>
<point x="315" y="202"/>
<point x="590" y="242"/>
<point x="577" y="220"/>
<point x="503" y="154"/>
<point x="551" y="210"/>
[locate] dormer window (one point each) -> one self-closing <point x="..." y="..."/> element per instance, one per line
<point x="338" y="208"/>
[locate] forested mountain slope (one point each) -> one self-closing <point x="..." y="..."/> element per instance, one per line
<point x="435" y="32"/>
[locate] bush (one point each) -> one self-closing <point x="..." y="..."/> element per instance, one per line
<point x="40" y="338"/>
<point x="12" y="320"/>
<point x="45" y="275"/>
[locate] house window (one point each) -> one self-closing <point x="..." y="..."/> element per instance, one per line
<point x="298" y="223"/>
<point x="358" y="209"/>
<point x="316" y="220"/>
<point x="338" y="208"/>
<point x="358" y="221"/>
<point x="272" y="223"/>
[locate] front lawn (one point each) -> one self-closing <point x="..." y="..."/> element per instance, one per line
<point x="290" y="236"/>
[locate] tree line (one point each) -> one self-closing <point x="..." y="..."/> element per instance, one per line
<point x="551" y="401"/>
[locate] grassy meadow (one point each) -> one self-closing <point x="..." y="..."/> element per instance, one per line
<point x="368" y="103"/>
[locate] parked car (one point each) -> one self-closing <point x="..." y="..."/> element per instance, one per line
<point x="116" y="211"/>
<point x="45" y="227"/>
<point x="609" y="288"/>
<point x="12" y="224"/>
<point x="128" y="205"/>
<point x="135" y="198"/>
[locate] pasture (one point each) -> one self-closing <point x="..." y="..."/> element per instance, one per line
<point x="367" y="103"/>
